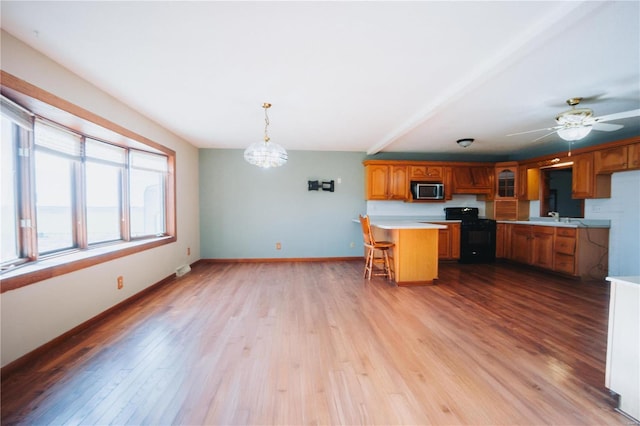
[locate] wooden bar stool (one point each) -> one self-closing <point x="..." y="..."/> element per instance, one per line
<point x="372" y="247"/>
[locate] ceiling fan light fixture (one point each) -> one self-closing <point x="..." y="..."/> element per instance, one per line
<point x="266" y="154"/>
<point x="574" y="133"/>
<point x="575" y="116"/>
<point x="465" y="142"/>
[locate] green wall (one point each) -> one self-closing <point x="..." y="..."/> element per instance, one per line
<point x="246" y="210"/>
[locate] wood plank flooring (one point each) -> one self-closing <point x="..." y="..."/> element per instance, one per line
<point x="314" y="343"/>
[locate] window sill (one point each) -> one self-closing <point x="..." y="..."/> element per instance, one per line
<point x="33" y="272"/>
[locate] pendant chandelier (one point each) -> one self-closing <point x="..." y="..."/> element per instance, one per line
<point x="266" y="154"/>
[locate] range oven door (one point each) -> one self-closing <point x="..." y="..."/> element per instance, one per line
<point x="478" y="241"/>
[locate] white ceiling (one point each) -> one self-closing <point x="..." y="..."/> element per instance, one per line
<point x="350" y="76"/>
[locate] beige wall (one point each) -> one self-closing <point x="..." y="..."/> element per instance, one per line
<point x="35" y="314"/>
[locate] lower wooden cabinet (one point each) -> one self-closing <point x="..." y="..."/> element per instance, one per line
<point x="503" y="240"/>
<point x="449" y="241"/>
<point x="565" y="251"/>
<point x="579" y="252"/>
<point x="582" y="252"/>
<point x="533" y="245"/>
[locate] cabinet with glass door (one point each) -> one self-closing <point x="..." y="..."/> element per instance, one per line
<point x="506" y="205"/>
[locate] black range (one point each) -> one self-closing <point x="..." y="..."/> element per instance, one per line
<point x="477" y="236"/>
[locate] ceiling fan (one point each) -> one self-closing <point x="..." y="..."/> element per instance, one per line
<point x="577" y="123"/>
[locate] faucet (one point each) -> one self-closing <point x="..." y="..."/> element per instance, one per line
<point x="555" y="216"/>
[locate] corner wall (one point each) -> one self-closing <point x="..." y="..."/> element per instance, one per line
<point x="38" y="313"/>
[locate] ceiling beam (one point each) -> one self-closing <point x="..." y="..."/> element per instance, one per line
<point x="555" y="22"/>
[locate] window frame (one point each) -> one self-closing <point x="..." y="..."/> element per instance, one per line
<point x="50" y="107"/>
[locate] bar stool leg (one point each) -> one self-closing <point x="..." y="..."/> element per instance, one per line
<point x="369" y="263"/>
<point x="387" y="265"/>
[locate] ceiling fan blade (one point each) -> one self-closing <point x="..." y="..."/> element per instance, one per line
<point x="617" y="116"/>
<point x="533" y="131"/>
<point x="542" y="137"/>
<point x="606" y="127"/>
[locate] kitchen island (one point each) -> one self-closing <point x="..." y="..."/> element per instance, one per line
<point x="415" y="255"/>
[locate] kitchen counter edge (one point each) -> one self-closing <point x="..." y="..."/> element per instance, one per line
<point x="572" y="223"/>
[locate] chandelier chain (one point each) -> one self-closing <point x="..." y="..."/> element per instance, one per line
<point x="266" y="122"/>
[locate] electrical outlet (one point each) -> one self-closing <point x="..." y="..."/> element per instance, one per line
<point x="120" y="282"/>
<point x="278" y="246"/>
<point x="188" y="251"/>
<point x="352" y="244"/>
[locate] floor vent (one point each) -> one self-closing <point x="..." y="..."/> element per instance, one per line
<point x="182" y="270"/>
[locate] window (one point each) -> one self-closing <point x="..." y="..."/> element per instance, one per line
<point x="147" y="194"/>
<point x="57" y="164"/>
<point x="104" y="171"/>
<point x="17" y="126"/>
<point x="66" y="192"/>
<point x="9" y="212"/>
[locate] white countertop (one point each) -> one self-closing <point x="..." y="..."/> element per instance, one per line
<point x="627" y="280"/>
<point x="538" y="221"/>
<point x="570" y="223"/>
<point x="405" y="224"/>
<point x="397" y="218"/>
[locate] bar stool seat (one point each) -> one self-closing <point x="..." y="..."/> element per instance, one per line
<point x="374" y="247"/>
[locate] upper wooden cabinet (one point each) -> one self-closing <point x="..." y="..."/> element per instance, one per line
<point x="582" y="184"/>
<point x="386" y="182"/>
<point x="502" y="183"/>
<point x="506" y="179"/>
<point x="505" y="204"/>
<point x="528" y="183"/>
<point x="398" y="183"/>
<point x="390" y="180"/>
<point x="426" y="173"/>
<point x="585" y="183"/>
<point x="619" y="158"/>
<point x="634" y="156"/>
<point x="472" y="180"/>
<point x="447" y="179"/>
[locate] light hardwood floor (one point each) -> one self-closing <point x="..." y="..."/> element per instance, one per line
<point x="314" y="343"/>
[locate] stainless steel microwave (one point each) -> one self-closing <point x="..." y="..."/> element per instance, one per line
<point x="427" y="191"/>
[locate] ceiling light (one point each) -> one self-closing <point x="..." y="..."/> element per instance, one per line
<point x="465" y="142"/>
<point x="557" y="165"/>
<point x="266" y="154"/>
<point x="574" y="133"/>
